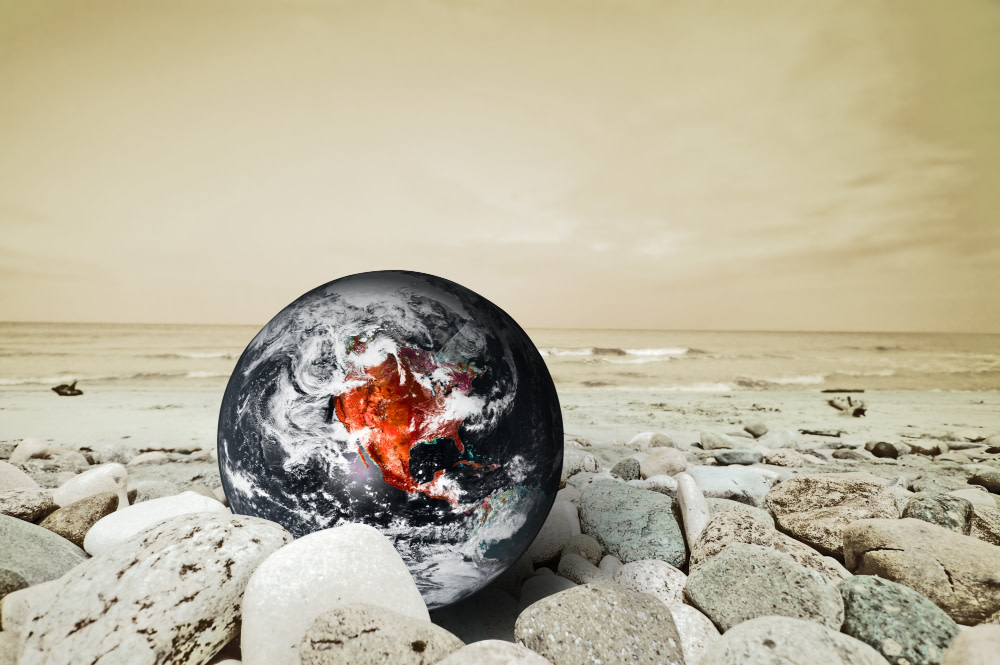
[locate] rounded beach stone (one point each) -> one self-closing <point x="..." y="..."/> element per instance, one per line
<point x="661" y="483"/>
<point x="487" y="615"/>
<point x="626" y="469"/>
<point x="152" y="457"/>
<point x="951" y="512"/>
<point x="494" y="652"/>
<point x="741" y="456"/>
<point x="714" y="440"/>
<point x="114" y="529"/>
<point x="977" y="497"/>
<point x="978" y="645"/>
<point x="716" y="506"/>
<point x="12" y="478"/>
<point x="610" y="564"/>
<point x="541" y="586"/>
<point x="697" y="632"/>
<point x="28" y="449"/>
<point x="738" y="483"/>
<point x="16" y="606"/>
<point x="10" y="582"/>
<point x="988" y="478"/>
<point x="745" y="582"/>
<point x="147" y="490"/>
<point x="72" y="522"/>
<point x="651" y="440"/>
<point x="657" y="578"/>
<point x="34" y="553"/>
<point x="560" y="525"/>
<point x="362" y="634"/>
<point x="756" y="429"/>
<point x="985" y="524"/>
<point x="774" y="639"/>
<point x="104" y="478"/>
<point x="585" y="546"/>
<point x="662" y="462"/>
<point x="597" y="623"/>
<point x="904" y="626"/>
<point x="353" y="563"/>
<point x="170" y="595"/>
<point x="693" y="507"/>
<point x="883" y="449"/>
<point x="28" y="503"/>
<point x="576" y="461"/>
<point x="574" y="567"/>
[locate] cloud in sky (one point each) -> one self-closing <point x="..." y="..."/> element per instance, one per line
<point x="763" y="165"/>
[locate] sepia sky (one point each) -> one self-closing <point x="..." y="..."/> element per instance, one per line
<point x="748" y="165"/>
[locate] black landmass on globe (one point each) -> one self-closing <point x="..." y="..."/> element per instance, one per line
<point x="403" y="401"/>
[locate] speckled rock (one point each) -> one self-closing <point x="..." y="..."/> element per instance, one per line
<point x="574" y="567"/>
<point x="360" y="634"/>
<point x="170" y="595"/>
<point x="716" y="506"/>
<point x="731" y="527"/>
<point x="985" y="524"/>
<point x="950" y="512"/>
<point x="745" y="582"/>
<point x="657" y="578"/>
<point x="486" y="615"/>
<point x="743" y="456"/>
<point x="626" y="469"/>
<point x="785" y="641"/>
<point x="541" y="586"/>
<point x="787" y="457"/>
<point x="978" y="645"/>
<point x="27" y="503"/>
<point x="662" y="462"/>
<point x="597" y="623"/>
<point x="815" y="508"/>
<point x="12" y="478"/>
<point x="353" y="563"/>
<point x="494" y="652"/>
<point x="72" y="522"/>
<point x="16" y="607"/>
<point x="697" y="632"/>
<point x="738" y="483"/>
<point x="34" y="553"/>
<point x="631" y="523"/>
<point x="960" y="574"/>
<point x="902" y="625"/>
<point x="988" y="478"/>
<point x="585" y="546"/>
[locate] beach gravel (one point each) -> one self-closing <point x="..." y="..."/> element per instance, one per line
<point x="27" y="503"/>
<point x="34" y="553"/>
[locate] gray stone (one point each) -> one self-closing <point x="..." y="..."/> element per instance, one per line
<point x="627" y="469"/>
<point x="904" y="626"/>
<point x="737" y="483"/>
<point x="756" y="429"/>
<point x="977" y="497"/>
<point x="657" y="578"/>
<point x="882" y="449"/>
<point x="486" y="615"/>
<point x="988" y="478"/>
<point x="716" y="440"/>
<point x="928" y="483"/>
<point x="585" y="546"/>
<point x="360" y="634"/>
<point x="10" y="582"/>
<point x="34" y="553"/>
<point x="745" y="582"/>
<point x="716" y="506"/>
<point x="147" y="490"/>
<point x="541" y="586"/>
<point x="172" y="594"/>
<point x="785" y="641"/>
<point x="631" y="523"/>
<point x="978" y="645"/>
<point x="27" y="503"/>
<point x="662" y="462"/>
<point x="951" y="512"/>
<point x="985" y="524"/>
<point x="494" y="652"/>
<point x="73" y="521"/>
<point x="12" y="478"/>
<point x="853" y="454"/>
<point x="598" y="623"/>
<point x="787" y="457"/>
<point x="740" y="456"/>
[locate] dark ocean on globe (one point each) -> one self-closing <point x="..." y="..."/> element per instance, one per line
<point x="403" y="401"/>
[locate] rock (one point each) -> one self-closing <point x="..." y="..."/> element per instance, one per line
<point x="783" y="438"/>
<point x="657" y="578"/>
<point x="745" y="582"/>
<point x="663" y="462"/>
<point x="895" y="620"/>
<point x="787" y="457"/>
<point x="541" y="586"/>
<point x="577" y="569"/>
<point x="610" y="564"/>
<point x="929" y="448"/>
<point x="756" y="429"/>
<point x="361" y="634"/>
<point x="852" y="454"/>
<point x="146" y="490"/>
<point x="697" y="632"/>
<point x="170" y="595"/>
<point x="693" y="507"/>
<point x="739" y="456"/>
<point x="219" y="494"/>
<point x="486" y="615"/>
<point x="725" y="505"/>
<point x="626" y="469"/>
<point x="561" y="524"/>
<point x="960" y="574"/>
<point x="114" y="529"/>
<point x="978" y="645"/>
<point x="597" y="623"/>
<point x="34" y="553"/>
<point x="883" y="449"/>
<point x="569" y="494"/>
<point x="786" y="641"/>
<point x="932" y="483"/>
<point x="731" y="482"/>
<point x="152" y="457"/>
<point x="585" y="546"/>
<point x="985" y="524"/>
<point x="494" y="652"/>
<point x="662" y="484"/>
<point x="12" y="478"/>
<point x="632" y="524"/>
<point x="28" y="449"/>
<point x="510" y="580"/>
<point x="346" y="564"/>
<point x="576" y="461"/>
<point x="16" y="606"/>
<point x="951" y="512"/>
<point x="72" y="522"/>
<point x="976" y="497"/>
<point x="815" y="508"/>
<point x="10" y="581"/>
<point x="27" y="503"/>
<point x="716" y="440"/>
<point x="988" y="478"/>
<point x="954" y="458"/>
<point x="104" y="478"/>
<point x="730" y="527"/>
<point x="651" y="440"/>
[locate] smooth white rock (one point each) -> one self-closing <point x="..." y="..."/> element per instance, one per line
<point x="780" y="438"/>
<point x="561" y="524"/>
<point x="114" y="529"/>
<point x="12" y="478"/>
<point x="662" y="461"/>
<point x="577" y="569"/>
<point x="660" y="483"/>
<point x="110" y="477"/>
<point x="15" y="607"/>
<point x="694" y="509"/>
<point x="976" y="497"/>
<point x="610" y="564"/>
<point x="697" y="632"/>
<point x="28" y="449"/>
<point x="655" y="577"/>
<point x="353" y="563"/>
<point x="576" y="461"/>
<point x="715" y="440"/>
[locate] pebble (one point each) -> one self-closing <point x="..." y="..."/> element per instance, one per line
<point x="171" y="595"/>
<point x="951" y="512"/>
<point x="28" y="449"/>
<point x="597" y="623"/>
<point x="738" y="483"/>
<point x="988" y="478"/>
<point x="16" y="606"/>
<point x="651" y="440"/>
<point x="585" y="546"/>
<point x="883" y="449"/>
<point x="12" y="478"/>
<point x="631" y="523"/>
<point x="147" y="490"/>
<point x="657" y="578"/>
<point x="694" y="508"/>
<point x="541" y="586"/>
<point x="576" y="461"/>
<point x="740" y="456"/>
<point x="663" y="462"/>
<point x="72" y="522"/>
<point x="788" y="458"/>
<point x="745" y="582"/>
<point x="697" y="632"/>
<point x="494" y="652"/>
<point x="34" y="553"/>
<point x="853" y="454"/>
<point x="627" y="469"/>
<point x="117" y="527"/>
<point x="362" y="634"/>
<point x="780" y="438"/>
<point x="486" y="615"/>
<point x="978" y="645"/>
<point x="960" y="574"/>
<point x="27" y="503"/>
<point x="814" y="509"/>
<point x="561" y="524"/>
<point x="610" y="564"/>
<point x="904" y="626"/>
<point x="756" y="429"/>
<point x="715" y="440"/>
<point x="353" y="563"/>
<point x="104" y="478"/>
<point x="777" y="640"/>
<point x="577" y="569"/>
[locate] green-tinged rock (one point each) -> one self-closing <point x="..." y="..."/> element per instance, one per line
<point x="631" y="523"/>
<point x="951" y="512"/>
<point x="627" y="469"/>
<point x="901" y="624"/>
<point x="738" y="456"/>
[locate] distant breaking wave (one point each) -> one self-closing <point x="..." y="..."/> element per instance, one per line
<point x="605" y="352"/>
<point x="140" y="376"/>
<point x="228" y="355"/>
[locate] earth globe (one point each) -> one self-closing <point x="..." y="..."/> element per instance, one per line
<point x="406" y="402"/>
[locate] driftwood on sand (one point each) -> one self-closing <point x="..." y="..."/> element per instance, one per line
<point x="67" y="390"/>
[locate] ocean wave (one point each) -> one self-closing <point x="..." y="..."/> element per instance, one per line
<point x="881" y="372"/>
<point x="197" y="355"/>
<point x="603" y="352"/>
<point x="703" y="387"/>
<point x="82" y="378"/>
<point x="757" y="383"/>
